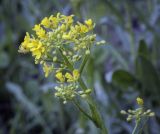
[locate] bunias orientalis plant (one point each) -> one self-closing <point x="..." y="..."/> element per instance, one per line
<point x="62" y="46"/>
<point x="140" y="115"/>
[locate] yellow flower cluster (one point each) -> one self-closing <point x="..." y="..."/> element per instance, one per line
<point x="68" y="87"/>
<point x="56" y="37"/>
<point x="56" y="33"/>
<point x="70" y="77"/>
<point x="138" y="113"/>
<point x="32" y="45"/>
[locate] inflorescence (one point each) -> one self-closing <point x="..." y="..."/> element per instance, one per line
<point x="138" y="113"/>
<point x="57" y="44"/>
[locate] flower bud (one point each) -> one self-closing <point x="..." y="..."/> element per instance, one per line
<point x="88" y="91"/>
<point x="54" y="58"/>
<point x="64" y="102"/>
<point x="139" y="101"/>
<point x="123" y="112"/>
<point x="83" y="95"/>
<point x="152" y="114"/>
<point x="129" y="119"/>
<point x="87" y="52"/>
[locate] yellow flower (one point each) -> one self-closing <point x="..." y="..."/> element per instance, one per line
<point x="60" y="77"/>
<point x="24" y="45"/>
<point x="40" y="32"/>
<point x="54" y="21"/>
<point x="47" y="69"/>
<point x="89" y="22"/>
<point x="66" y="36"/>
<point x="68" y="19"/>
<point x="46" y="22"/>
<point x="72" y="77"/>
<point x="37" y="49"/>
<point x="140" y="101"/>
<point x="63" y="27"/>
<point x="83" y="29"/>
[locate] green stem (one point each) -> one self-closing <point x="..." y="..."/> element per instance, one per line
<point x="66" y="61"/>
<point x="81" y="109"/>
<point x="135" y="128"/>
<point x="96" y="118"/>
<point x="139" y="125"/>
<point x="83" y="63"/>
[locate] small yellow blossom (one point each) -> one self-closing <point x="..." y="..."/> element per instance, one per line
<point x="47" y="69"/>
<point x="60" y="77"/>
<point x="66" y="36"/>
<point x="83" y="28"/>
<point x="63" y="27"/>
<point x="24" y="45"/>
<point x="46" y="22"/>
<point x="72" y="77"/>
<point x="40" y="32"/>
<point x="69" y="19"/>
<point x="140" y="101"/>
<point x="89" y="22"/>
<point x="37" y="49"/>
<point x="54" y="21"/>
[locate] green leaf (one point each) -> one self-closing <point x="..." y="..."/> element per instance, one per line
<point x="143" y="50"/>
<point x="147" y="74"/>
<point x="95" y="115"/>
<point x="4" y="59"/>
<point x="123" y="79"/>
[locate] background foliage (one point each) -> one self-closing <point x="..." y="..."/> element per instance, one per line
<point x="126" y="67"/>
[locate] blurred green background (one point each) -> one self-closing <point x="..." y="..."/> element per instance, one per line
<point x="126" y="67"/>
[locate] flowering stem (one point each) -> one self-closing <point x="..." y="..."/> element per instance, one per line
<point x="70" y="66"/>
<point x="96" y="118"/>
<point x="83" y="63"/>
<point x="95" y="114"/>
<point x="139" y="125"/>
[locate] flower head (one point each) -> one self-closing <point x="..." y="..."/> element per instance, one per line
<point x="138" y="113"/>
<point x="59" y="43"/>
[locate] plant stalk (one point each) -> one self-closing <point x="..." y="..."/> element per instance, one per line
<point x="96" y="118"/>
<point x="139" y="125"/>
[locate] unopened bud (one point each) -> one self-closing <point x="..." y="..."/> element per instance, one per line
<point x="148" y="111"/>
<point x="139" y="101"/>
<point x="64" y="102"/>
<point x="83" y="95"/>
<point x="123" y="112"/>
<point x="102" y="42"/>
<point x="64" y="53"/>
<point x="80" y="92"/>
<point x="129" y="119"/>
<point x="58" y="36"/>
<point x="87" y="52"/>
<point x="54" y="58"/>
<point x="72" y="95"/>
<point x="88" y="91"/>
<point x="129" y="110"/>
<point x="152" y="114"/>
